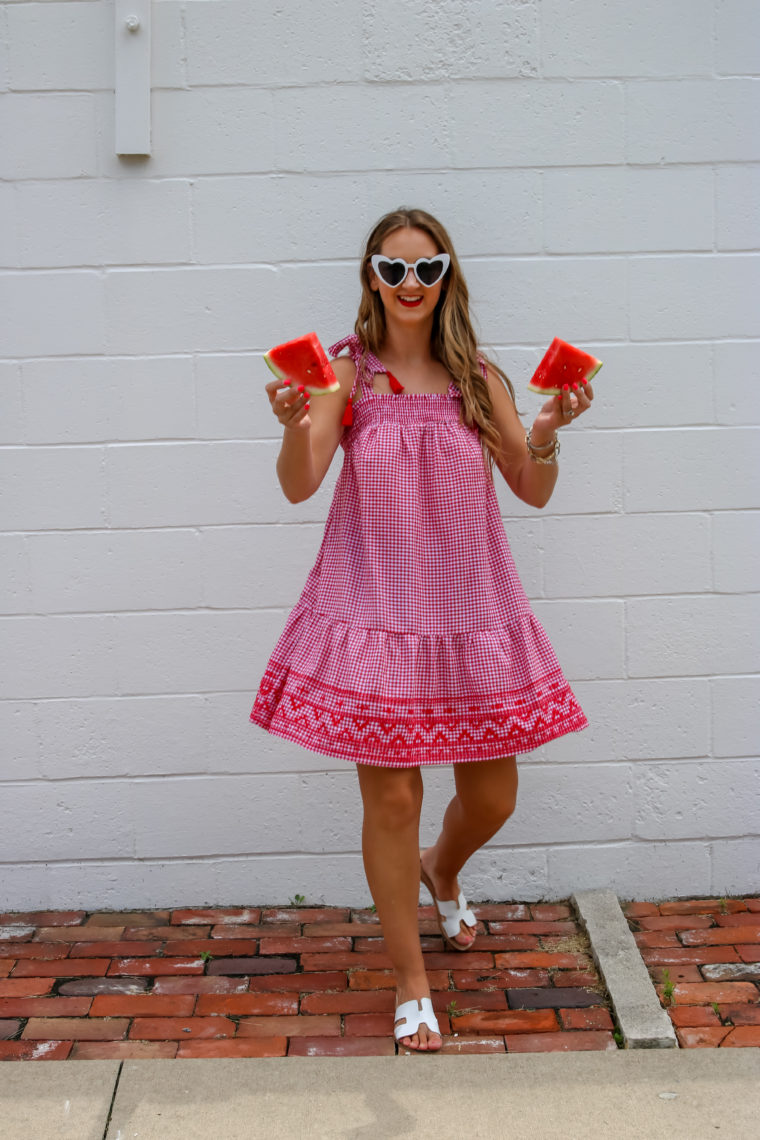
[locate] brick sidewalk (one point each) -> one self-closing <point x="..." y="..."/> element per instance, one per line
<point x="296" y="981"/>
<point x="704" y="957"/>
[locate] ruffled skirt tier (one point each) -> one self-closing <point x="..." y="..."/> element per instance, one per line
<point x="414" y="699"/>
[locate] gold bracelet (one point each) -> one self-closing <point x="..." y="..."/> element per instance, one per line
<point x="550" y="458"/>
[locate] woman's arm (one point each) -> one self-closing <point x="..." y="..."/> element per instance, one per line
<point x="531" y="481"/>
<point x="312" y="431"/>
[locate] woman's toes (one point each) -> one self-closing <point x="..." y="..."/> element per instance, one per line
<point x="422" y="1042"/>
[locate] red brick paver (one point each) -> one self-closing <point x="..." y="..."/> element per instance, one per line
<point x="704" y="957"/>
<point x="293" y="981"/>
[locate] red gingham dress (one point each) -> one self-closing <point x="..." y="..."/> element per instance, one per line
<point x="413" y="641"/>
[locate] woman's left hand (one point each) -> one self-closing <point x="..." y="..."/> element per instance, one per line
<point x="563" y="410"/>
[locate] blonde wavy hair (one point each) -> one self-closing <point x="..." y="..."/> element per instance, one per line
<point x="453" y="340"/>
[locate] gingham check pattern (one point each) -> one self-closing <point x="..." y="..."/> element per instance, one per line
<point x="413" y="641"/>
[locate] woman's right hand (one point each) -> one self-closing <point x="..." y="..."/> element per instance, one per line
<point x="290" y="403"/>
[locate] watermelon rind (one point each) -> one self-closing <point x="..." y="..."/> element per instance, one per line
<point x="323" y="391"/>
<point x="273" y="367"/>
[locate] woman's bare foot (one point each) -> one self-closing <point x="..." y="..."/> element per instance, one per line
<point x="445" y="890"/>
<point x="424" y="1040"/>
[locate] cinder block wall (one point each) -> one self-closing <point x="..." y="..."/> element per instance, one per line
<point x="597" y="165"/>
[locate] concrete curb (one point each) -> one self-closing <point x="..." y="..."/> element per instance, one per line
<point x="643" y="1022"/>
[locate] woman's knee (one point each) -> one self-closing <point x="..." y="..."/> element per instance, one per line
<point x="392" y="797"/>
<point x="493" y="811"/>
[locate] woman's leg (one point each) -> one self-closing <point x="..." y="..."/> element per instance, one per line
<point x="392" y="800"/>
<point x="486" y="793"/>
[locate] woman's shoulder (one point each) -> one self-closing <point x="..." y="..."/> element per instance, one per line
<point x="345" y="365"/>
<point x="345" y="369"/>
<point x="351" y="342"/>
<point x="367" y="364"/>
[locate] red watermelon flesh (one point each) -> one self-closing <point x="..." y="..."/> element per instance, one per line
<point x="304" y="361"/>
<point x="563" y="364"/>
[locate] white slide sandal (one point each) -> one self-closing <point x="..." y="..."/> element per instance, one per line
<point x="415" y="1013"/>
<point x="450" y="914"/>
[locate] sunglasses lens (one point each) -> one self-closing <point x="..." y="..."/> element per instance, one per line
<point x="392" y="272"/>
<point x="428" y="272"/>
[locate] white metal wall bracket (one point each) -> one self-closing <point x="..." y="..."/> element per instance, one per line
<point x="132" y="72"/>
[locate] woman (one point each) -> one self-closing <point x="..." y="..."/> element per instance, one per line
<point x="413" y="642"/>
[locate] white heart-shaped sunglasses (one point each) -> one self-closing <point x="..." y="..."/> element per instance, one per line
<point x="427" y="270"/>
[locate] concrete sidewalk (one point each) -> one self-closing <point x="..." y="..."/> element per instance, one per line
<point x="641" y="1094"/>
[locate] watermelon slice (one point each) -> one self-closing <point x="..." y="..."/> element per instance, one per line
<point x="563" y="364"/>
<point x="305" y="361"/>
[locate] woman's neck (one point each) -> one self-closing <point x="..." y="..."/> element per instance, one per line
<point x="410" y="344"/>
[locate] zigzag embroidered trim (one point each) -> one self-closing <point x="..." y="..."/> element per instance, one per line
<point x="406" y="733"/>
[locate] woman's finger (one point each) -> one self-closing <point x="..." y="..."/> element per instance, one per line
<point x="274" y="387"/>
<point x="299" y="417"/>
<point x="566" y="403"/>
<point x="295" y="411"/>
<point x="585" y="396"/>
<point x="569" y="405"/>
<point x="291" y="409"/>
<point x="286" y="399"/>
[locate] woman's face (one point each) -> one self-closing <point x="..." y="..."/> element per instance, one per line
<point x="409" y="302"/>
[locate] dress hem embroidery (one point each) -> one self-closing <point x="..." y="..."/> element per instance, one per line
<point x="352" y="726"/>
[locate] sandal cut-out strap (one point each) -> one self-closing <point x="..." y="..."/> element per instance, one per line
<point x="453" y="913"/>
<point x="415" y="1013"/>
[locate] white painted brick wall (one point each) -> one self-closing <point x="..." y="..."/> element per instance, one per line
<point x="737" y="35"/>
<point x="599" y="555"/>
<point x="706" y="296"/>
<point x="692" y="120"/>
<point x="601" y="183"/>
<point x="61" y="224"/>
<point x="615" y="40"/>
<point x="102" y="571"/>
<point x="610" y="209"/>
<point x="738" y="207"/>
<point x="736" y="532"/>
<point x="736" y="374"/>
<point x="706" y="469"/>
<point x="108" y="399"/>
<point x="52" y="314"/>
<point x="630" y="719"/>
<point x="48" y="135"/>
<point x="693" y="636"/>
<point x="736" y="715"/>
<point x="721" y="801"/>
